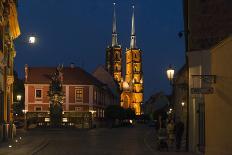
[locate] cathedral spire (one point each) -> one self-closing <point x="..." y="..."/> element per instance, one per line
<point x="133" y="37"/>
<point x="114" y="32"/>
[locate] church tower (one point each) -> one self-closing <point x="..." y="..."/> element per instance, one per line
<point x="132" y="95"/>
<point x="114" y="54"/>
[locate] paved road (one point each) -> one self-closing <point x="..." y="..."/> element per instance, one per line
<point x="117" y="141"/>
<point x="137" y="140"/>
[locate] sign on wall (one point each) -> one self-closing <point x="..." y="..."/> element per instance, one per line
<point x="206" y="90"/>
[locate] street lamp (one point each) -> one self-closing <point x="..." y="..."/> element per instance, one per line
<point x="182" y="105"/>
<point x="25" y="118"/>
<point x="170" y="73"/>
<point x="19" y="97"/>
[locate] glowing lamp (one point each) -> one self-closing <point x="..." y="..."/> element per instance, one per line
<point x="170" y="73"/>
<point x="19" y="97"/>
<point x="182" y="103"/>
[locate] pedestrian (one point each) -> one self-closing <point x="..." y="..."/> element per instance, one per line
<point x="170" y="131"/>
<point x="179" y="130"/>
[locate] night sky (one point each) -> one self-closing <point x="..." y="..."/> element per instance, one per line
<point x="80" y="30"/>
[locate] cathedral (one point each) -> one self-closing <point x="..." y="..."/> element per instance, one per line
<point x="131" y="84"/>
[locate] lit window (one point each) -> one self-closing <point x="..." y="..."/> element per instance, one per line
<point x="79" y="94"/>
<point x="38" y="93"/>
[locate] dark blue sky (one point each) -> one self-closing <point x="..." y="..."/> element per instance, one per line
<point x="80" y="30"/>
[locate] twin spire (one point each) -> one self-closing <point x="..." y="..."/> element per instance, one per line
<point x="133" y="37"/>
<point x="114" y="32"/>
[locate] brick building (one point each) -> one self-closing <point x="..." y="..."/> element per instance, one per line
<point x="83" y="92"/>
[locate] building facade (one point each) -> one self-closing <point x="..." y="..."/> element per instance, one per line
<point x="9" y="30"/>
<point x="218" y="107"/>
<point x="206" y="23"/>
<point x="180" y="94"/>
<point x="132" y="84"/>
<point x="83" y="92"/>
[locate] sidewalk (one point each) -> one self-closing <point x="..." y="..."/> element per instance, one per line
<point x="22" y="144"/>
<point x="150" y="140"/>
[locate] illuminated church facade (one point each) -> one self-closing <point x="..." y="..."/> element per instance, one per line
<point x="131" y="84"/>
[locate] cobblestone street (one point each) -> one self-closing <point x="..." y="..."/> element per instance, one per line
<point x="136" y="140"/>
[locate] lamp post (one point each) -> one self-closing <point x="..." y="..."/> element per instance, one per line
<point x="25" y="118"/>
<point x="19" y="98"/>
<point x="17" y="103"/>
<point x="182" y="105"/>
<point x="170" y="75"/>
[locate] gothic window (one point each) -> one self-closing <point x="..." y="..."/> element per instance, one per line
<point x="116" y="68"/>
<point x="117" y="56"/>
<point x="136" y="68"/>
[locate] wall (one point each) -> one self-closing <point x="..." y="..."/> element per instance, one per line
<point x="199" y="64"/>
<point x="219" y="105"/>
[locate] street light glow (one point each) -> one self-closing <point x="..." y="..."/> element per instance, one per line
<point x="24" y="111"/>
<point x="170" y="73"/>
<point x="182" y="103"/>
<point x="19" y="97"/>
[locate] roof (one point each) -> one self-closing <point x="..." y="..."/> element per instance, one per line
<point x="222" y="43"/>
<point x="75" y="76"/>
<point x="102" y="75"/>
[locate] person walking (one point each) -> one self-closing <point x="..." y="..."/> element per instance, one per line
<point x="179" y="130"/>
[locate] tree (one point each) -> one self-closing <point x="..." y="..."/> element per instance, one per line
<point x="56" y="97"/>
<point x="129" y="113"/>
<point x="114" y="112"/>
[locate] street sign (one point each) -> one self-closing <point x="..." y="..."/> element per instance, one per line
<point x="206" y="90"/>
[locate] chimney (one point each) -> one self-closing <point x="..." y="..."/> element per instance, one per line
<point x="72" y="65"/>
<point x="26" y="72"/>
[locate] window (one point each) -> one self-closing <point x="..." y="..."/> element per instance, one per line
<point x="38" y="108"/>
<point x="95" y="95"/>
<point x="78" y="108"/>
<point x="79" y="94"/>
<point x="38" y="93"/>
